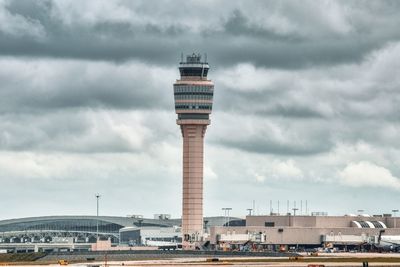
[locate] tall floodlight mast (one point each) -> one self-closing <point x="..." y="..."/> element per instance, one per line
<point x="97" y="216"/>
<point x="193" y="104"/>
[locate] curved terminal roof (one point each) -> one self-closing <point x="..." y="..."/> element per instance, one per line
<point x="80" y="223"/>
<point x="110" y="224"/>
<point x="369" y="224"/>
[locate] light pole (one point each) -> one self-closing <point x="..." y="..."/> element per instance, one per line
<point x="294" y="211"/>
<point x="249" y="210"/>
<point x="97" y="215"/>
<point x="394" y="217"/>
<point x="226" y="211"/>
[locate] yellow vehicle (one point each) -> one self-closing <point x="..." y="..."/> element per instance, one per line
<point x="63" y="262"/>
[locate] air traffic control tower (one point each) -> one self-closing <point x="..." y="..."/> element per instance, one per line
<point x="193" y="104"/>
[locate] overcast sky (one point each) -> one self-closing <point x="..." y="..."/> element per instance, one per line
<point x="306" y="105"/>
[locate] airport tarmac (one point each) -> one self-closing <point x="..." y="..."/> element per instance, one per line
<point x="328" y="260"/>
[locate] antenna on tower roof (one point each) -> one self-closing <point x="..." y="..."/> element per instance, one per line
<point x="205" y="58"/>
<point x="181" y="56"/>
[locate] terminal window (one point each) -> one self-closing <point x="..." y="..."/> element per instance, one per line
<point x="269" y="224"/>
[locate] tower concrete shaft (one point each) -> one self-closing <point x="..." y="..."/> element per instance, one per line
<point x="192" y="201"/>
<point x="193" y="104"/>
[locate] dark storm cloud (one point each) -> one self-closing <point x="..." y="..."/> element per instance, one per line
<point x="276" y="134"/>
<point x="115" y="41"/>
<point x="52" y="85"/>
<point x="234" y="38"/>
<point x="36" y="132"/>
<point x="112" y="94"/>
<point x="292" y="111"/>
<point x="102" y="44"/>
<point x="264" y="103"/>
<point x="82" y="132"/>
<point x="238" y="24"/>
<point x="265" y="35"/>
<point x="264" y="146"/>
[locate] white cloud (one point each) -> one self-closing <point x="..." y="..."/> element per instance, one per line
<point x="279" y="170"/>
<point x="382" y="66"/>
<point x="356" y="152"/>
<point x="368" y="174"/>
<point x="245" y="77"/>
<point x="259" y="178"/>
<point x="286" y="170"/>
<point x="209" y="173"/>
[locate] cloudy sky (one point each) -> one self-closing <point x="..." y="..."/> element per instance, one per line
<point x="306" y="107"/>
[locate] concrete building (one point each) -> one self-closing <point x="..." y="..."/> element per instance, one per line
<point x="72" y="233"/>
<point x="193" y="94"/>
<point x="151" y="236"/>
<point x="285" y="231"/>
<point x="272" y="232"/>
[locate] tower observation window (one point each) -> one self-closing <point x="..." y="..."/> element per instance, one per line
<point x="193" y="71"/>
<point x="193" y="88"/>
<point x="192" y="106"/>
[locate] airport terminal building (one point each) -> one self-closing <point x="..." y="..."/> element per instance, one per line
<point x="287" y="231"/>
<point x="266" y="232"/>
<point x="49" y="233"/>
